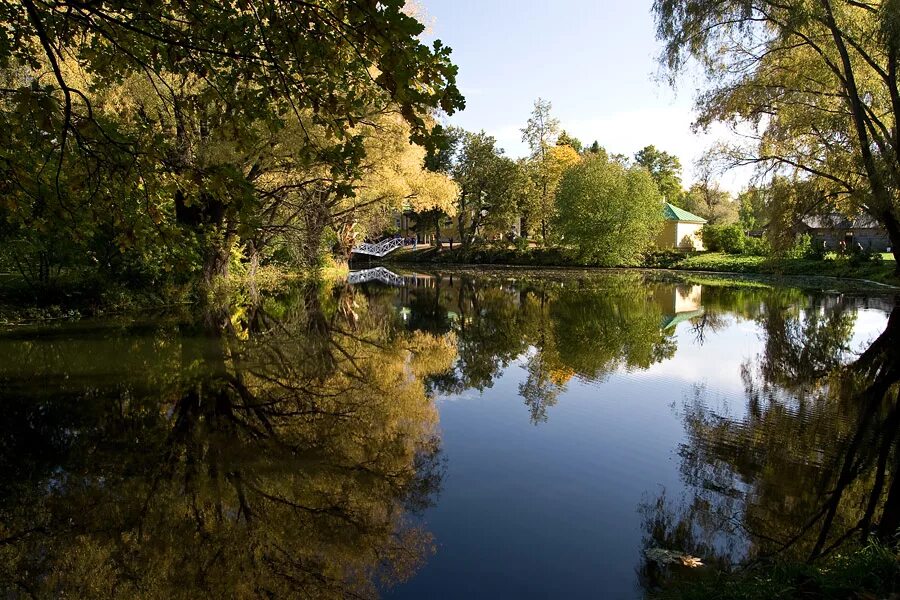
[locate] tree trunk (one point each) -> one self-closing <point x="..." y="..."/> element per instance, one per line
<point x="251" y="272"/>
<point x="892" y="225"/>
<point x="216" y="259"/>
<point x="315" y="220"/>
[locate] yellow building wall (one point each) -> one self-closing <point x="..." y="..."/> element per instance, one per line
<point x="688" y="236"/>
<point x="681" y="236"/>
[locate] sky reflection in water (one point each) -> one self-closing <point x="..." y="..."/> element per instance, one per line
<point x="293" y="447"/>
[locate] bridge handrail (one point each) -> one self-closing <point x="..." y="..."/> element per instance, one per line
<point x="377" y="274"/>
<point x="380" y="248"/>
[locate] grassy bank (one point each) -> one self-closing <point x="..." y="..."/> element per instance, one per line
<point x="870" y="572"/>
<point x="881" y="272"/>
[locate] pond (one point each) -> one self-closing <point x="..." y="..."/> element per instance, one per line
<point x="441" y="435"/>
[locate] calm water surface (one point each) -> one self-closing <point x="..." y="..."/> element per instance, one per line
<point x="446" y="435"/>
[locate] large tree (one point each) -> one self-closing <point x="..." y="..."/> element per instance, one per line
<point x="234" y="72"/>
<point x="487" y="180"/>
<point x="607" y="214"/>
<point x="708" y="199"/>
<point x="547" y="163"/>
<point x="817" y="78"/>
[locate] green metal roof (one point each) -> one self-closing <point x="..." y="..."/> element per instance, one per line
<point x="669" y="321"/>
<point x="673" y="213"/>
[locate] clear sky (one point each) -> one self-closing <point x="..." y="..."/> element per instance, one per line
<point x="595" y="60"/>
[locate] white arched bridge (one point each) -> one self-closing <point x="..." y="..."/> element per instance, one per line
<point x="377" y="274"/>
<point x="379" y="249"/>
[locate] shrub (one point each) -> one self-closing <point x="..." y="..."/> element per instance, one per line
<point x="607" y="214"/>
<point x="662" y="259"/>
<point x="865" y="256"/>
<point x="754" y="246"/>
<point x="813" y="248"/>
<point x="724" y="238"/>
<point x="804" y="246"/>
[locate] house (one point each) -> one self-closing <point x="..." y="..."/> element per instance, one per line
<point x="679" y="303"/>
<point x="834" y="228"/>
<point x="681" y="230"/>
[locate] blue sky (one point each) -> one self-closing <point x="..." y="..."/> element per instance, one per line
<point x="595" y="60"/>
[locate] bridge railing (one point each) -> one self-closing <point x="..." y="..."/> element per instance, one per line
<point x="381" y="248"/>
<point x="378" y="274"/>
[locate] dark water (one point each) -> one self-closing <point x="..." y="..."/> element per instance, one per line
<point x="446" y="436"/>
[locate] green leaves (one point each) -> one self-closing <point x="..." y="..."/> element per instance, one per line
<point x="607" y="214"/>
<point x="184" y="106"/>
<point x="665" y="169"/>
<point x="817" y="82"/>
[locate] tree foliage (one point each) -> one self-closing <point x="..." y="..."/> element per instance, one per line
<point x="548" y="160"/>
<point x="176" y="133"/>
<point x="816" y="78"/>
<point x="665" y="169"/>
<point x="711" y="202"/>
<point x="607" y="213"/>
<point x="487" y="181"/>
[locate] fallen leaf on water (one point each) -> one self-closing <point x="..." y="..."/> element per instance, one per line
<point x="690" y="561"/>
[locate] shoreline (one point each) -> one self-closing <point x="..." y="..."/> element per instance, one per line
<point x="822" y="274"/>
<point x="846" y="284"/>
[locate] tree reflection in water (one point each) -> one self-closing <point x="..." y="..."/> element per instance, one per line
<point x="811" y="466"/>
<point x="557" y="328"/>
<point x="275" y="450"/>
<point x="283" y="448"/>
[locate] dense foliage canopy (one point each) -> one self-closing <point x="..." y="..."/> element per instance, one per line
<point x="175" y="136"/>
<point x="608" y="214"/>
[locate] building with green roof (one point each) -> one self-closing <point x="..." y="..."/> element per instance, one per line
<point x="681" y="230"/>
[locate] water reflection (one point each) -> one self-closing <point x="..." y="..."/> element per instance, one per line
<point x="274" y="450"/>
<point x="287" y="447"/>
<point x="560" y="328"/>
<point x="813" y="462"/>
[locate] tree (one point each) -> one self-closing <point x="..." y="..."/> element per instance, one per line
<point x="608" y="214"/>
<point x="542" y="130"/>
<point x="541" y="133"/>
<point x="753" y="210"/>
<point x="711" y="202"/>
<point x="545" y="173"/>
<point x="818" y="79"/>
<point x="440" y="158"/>
<point x="565" y="139"/>
<point x="393" y="179"/>
<point x="665" y="169"/>
<point x="486" y="180"/>
<point x="230" y="79"/>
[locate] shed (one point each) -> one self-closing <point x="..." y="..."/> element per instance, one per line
<point x="681" y="230"/>
<point x="834" y="228"/>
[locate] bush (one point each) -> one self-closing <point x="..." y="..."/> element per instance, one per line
<point x="662" y="259"/>
<point x="724" y="238"/>
<point x="754" y="246"/>
<point x="608" y="215"/>
<point x="865" y="256"/>
<point x="805" y="246"/>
